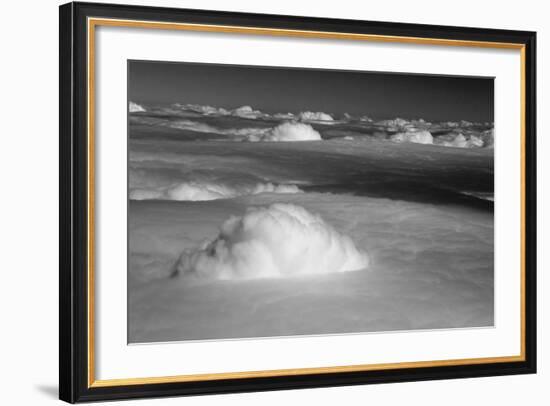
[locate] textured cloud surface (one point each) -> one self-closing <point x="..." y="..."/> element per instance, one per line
<point x="201" y="191"/>
<point x="248" y="124"/>
<point x="315" y="116"/>
<point x="284" y="132"/>
<point x="417" y="137"/>
<point x="135" y="108"/>
<point x="274" y="241"/>
<point x="289" y="131"/>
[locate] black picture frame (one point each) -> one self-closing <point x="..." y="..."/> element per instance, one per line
<point x="74" y="384"/>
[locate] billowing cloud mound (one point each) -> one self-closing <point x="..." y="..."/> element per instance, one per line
<point x="394" y="124"/>
<point x="458" y="140"/>
<point x="289" y="131"/>
<point x="402" y="125"/>
<point x="275" y="241"/>
<point x="315" y="116"/>
<point x="201" y="191"/>
<point x="135" y="108"/>
<point x="417" y="137"/>
<point x="243" y="111"/>
<point x="247" y="112"/>
<point x="284" y="116"/>
<point x="203" y="109"/>
<point x="457" y="134"/>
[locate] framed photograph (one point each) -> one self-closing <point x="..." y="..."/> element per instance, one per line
<point x="257" y="202"/>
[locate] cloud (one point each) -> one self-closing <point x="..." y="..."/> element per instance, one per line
<point x="488" y="138"/>
<point x="247" y="112"/>
<point x="458" y="140"/>
<point x="276" y="241"/>
<point x="296" y="131"/>
<point x="285" y="132"/>
<point x="403" y="125"/>
<point x="481" y="195"/>
<point x="135" y="108"/>
<point x="284" y="116"/>
<point x="201" y="109"/>
<point x="201" y="191"/>
<point x="314" y="116"/>
<point x="417" y="137"/>
<point x="455" y="139"/>
<point x="296" y="127"/>
<point x="195" y="126"/>
<point x="394" y="124"/>
<point x="243" y="111"/>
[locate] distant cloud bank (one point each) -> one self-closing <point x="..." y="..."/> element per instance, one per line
<point x="310" y="125"/>
<point x="202" y="190"/>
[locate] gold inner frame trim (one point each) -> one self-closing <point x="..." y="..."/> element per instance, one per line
<point x="94" y="22"/>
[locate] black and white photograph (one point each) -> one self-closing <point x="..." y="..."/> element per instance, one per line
<point x="272" y="202"/>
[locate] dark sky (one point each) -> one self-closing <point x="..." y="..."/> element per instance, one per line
<point x="378" y="95"/>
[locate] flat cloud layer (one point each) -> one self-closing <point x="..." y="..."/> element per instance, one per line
<point x="202" y="191"/>
<point x="275" y="241"/>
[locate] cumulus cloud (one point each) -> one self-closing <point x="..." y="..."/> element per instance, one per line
<point x="284" y="116"/>
<point x="201" y="109"/>
<point x="417" y="137"/>
<point x="458" y="140"/>
<point x="201" y="191"/>
<point x="247" y="112"/>
<point x="461" y="134"/>
<point x="297" y="127"/>
<point x="297" y="131"/>
<point x="243" y="111"/>
<point x="455" y="139"/>
<point x="394" y="124"/>
<point x="286" y="132"/>
<point x="403" y="125"/>
<point x="276" y="241"/>
<point x="135" y="108"/>
<point x="314" y="116"/>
